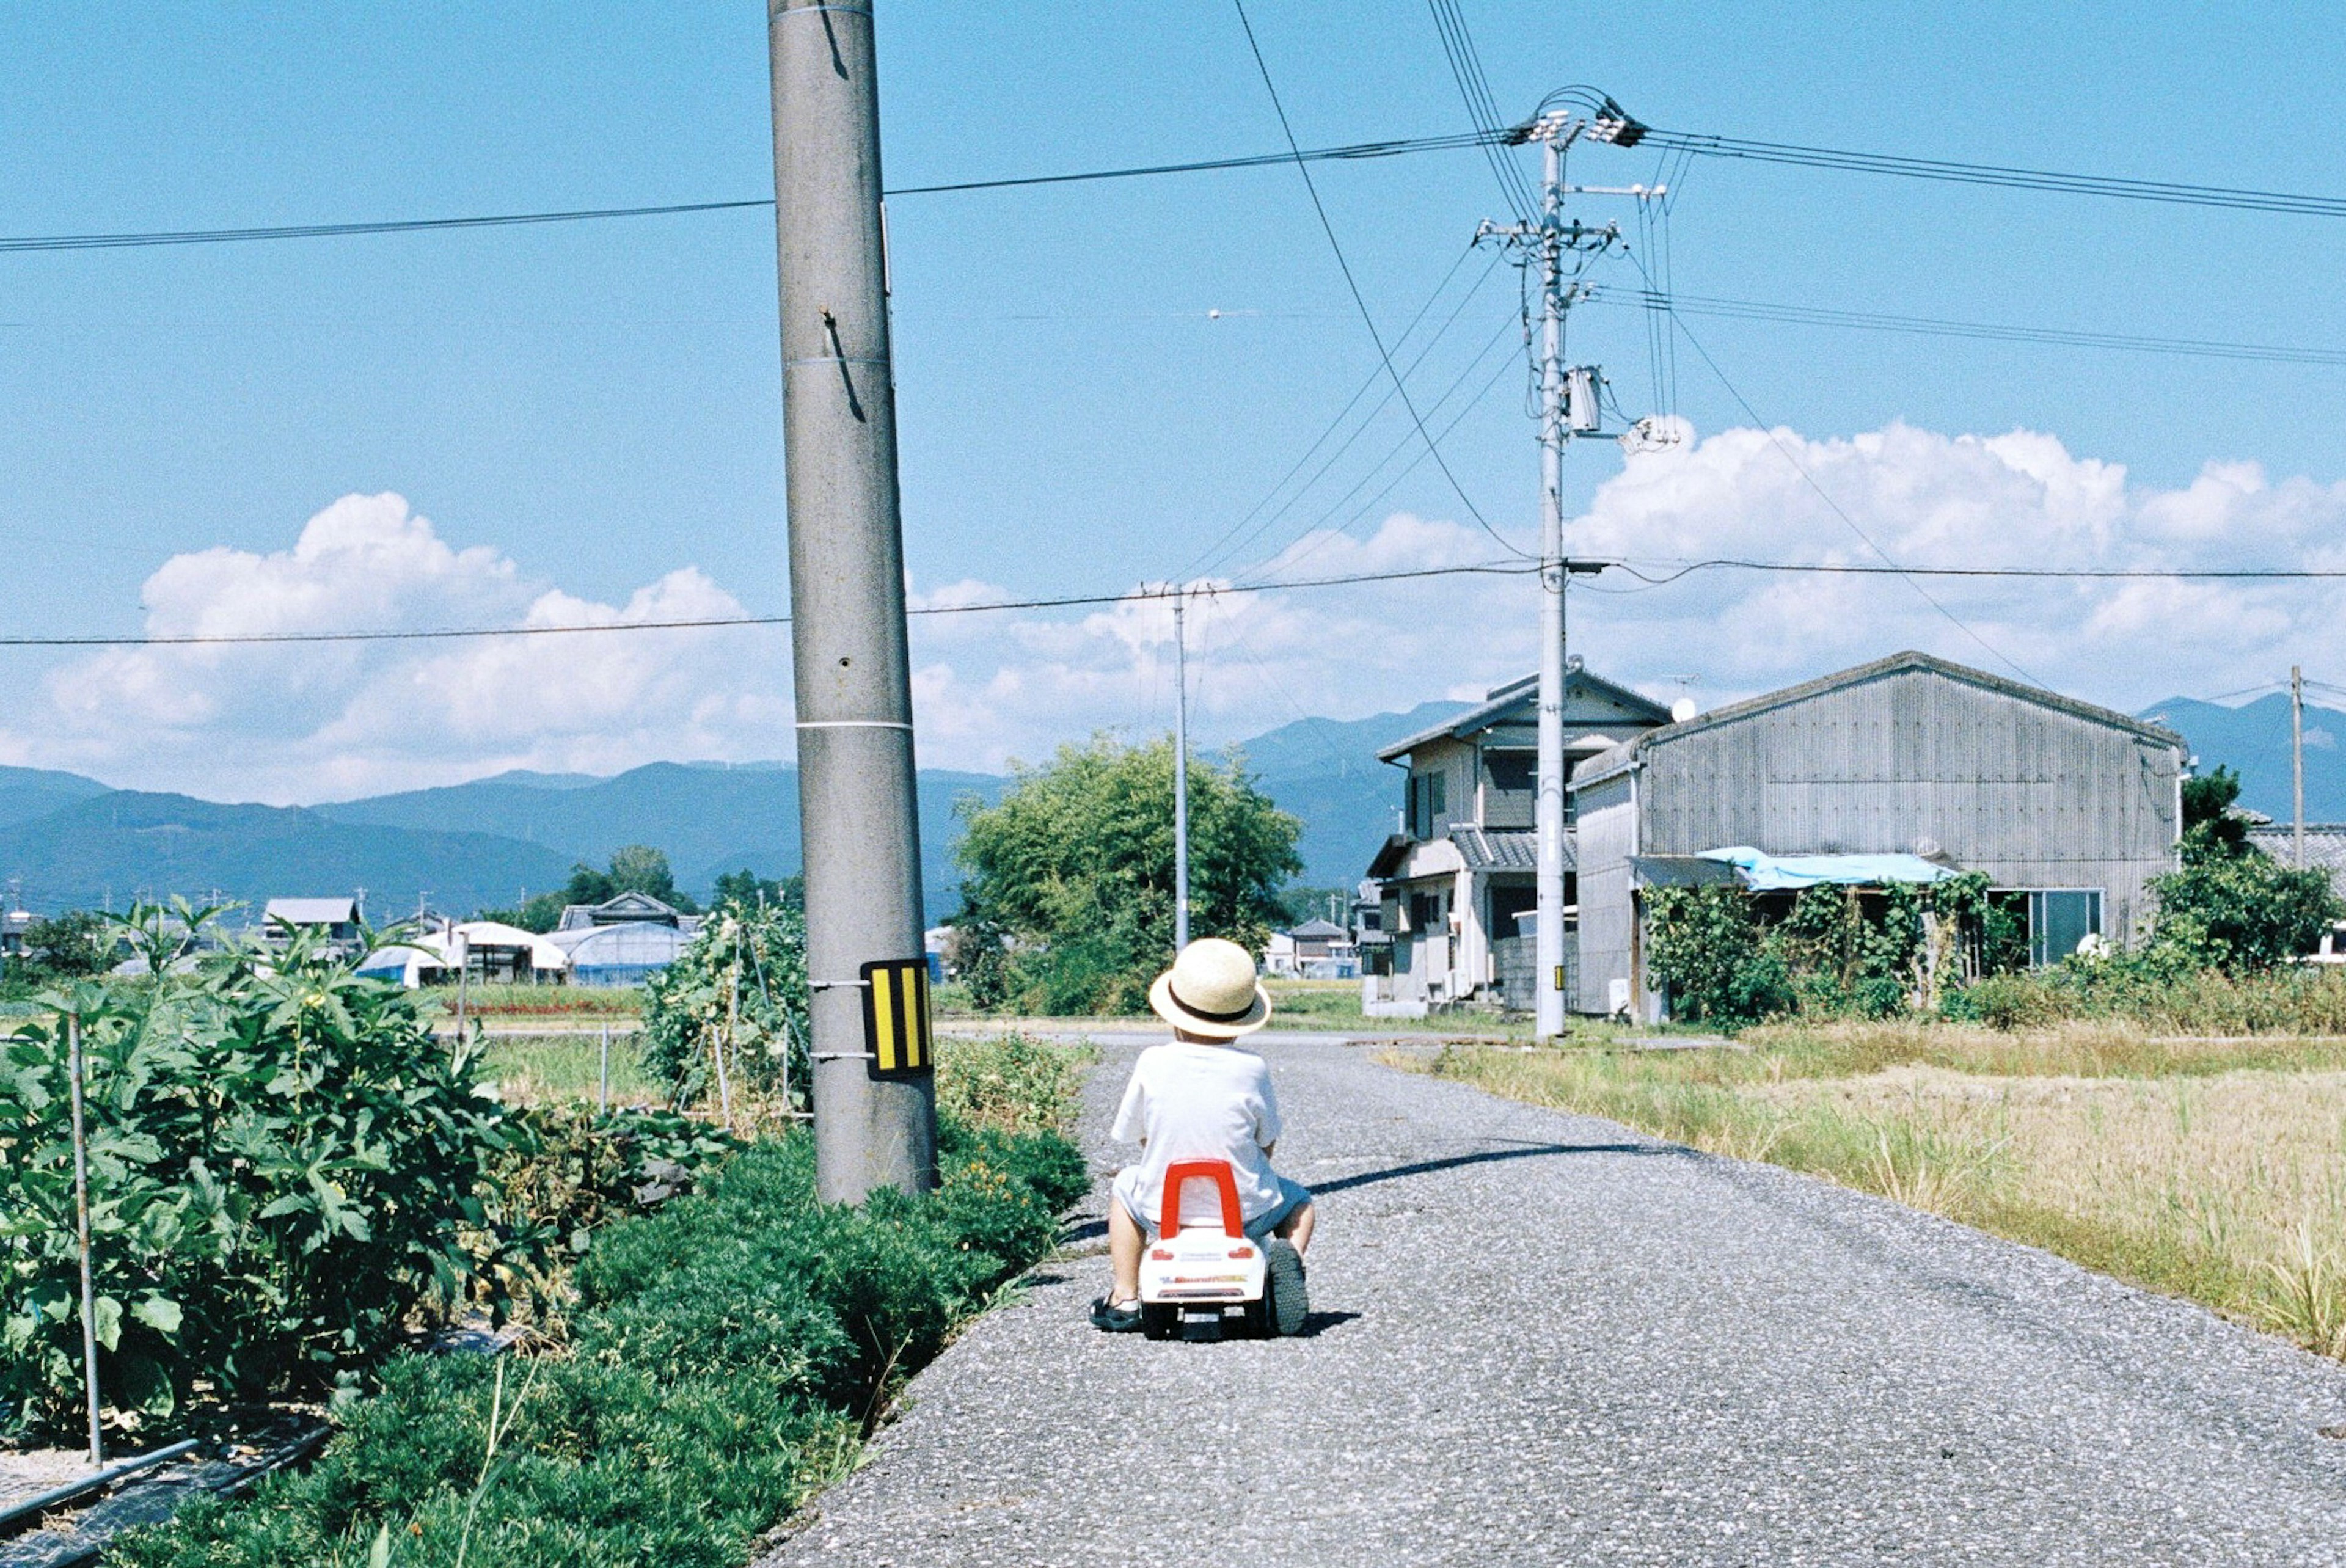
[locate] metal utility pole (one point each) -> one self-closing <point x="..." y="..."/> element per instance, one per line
<point x="852" y="667"/>
<point x="2297" y="751"/>
<point x="1181" y="781"/>
<point x="1568" y="407"/>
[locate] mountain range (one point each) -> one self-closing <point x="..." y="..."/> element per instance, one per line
<point x="70" y="841"/>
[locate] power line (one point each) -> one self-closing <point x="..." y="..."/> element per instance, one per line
<point x="1482" y="108"/>
<point x="1677" y="571"/>
<point x="1216" y="551"/>
<point x="1354" y="152"/>
<point x="1998" y="331"/>
<point x="1706" y="145"/>
<point x="1367" y="319"/>
<point x="1240" y="541"/>
<point x="2057" y="574"/>
<point x="1685" y="143"/>
<point x="1789" y="456"/>
<point x="238" y="639"/>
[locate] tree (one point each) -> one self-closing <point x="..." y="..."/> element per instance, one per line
<point x="2208" y="817"/>
<point x="750" y="890"/>
<point x="1067" y="904"/>
<point x="68" y="946"/>
<point x="641" y="869"/>
<point x="635" y="869"/>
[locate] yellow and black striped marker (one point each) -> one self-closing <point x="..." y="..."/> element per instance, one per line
<point x="896" y="1018"/>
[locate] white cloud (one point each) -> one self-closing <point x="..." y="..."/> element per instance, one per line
<point x="318" y="720"/>
<point x="321" y="720"/>
<point x="996" y="686"/>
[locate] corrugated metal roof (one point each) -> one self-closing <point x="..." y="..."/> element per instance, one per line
<point x="1623" y="756"/>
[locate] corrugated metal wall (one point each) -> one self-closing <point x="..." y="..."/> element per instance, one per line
<point x="2032" y="796"/>
<point x="1607" y="838"/>
<point x="1910" y="760"/>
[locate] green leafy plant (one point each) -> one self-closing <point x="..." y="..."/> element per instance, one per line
<point x="738" y="992"/>
<point x="2235" y="908"/>
<point x="283" y="1162"/>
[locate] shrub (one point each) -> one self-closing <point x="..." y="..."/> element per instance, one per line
<point x="724" y="1354"/>
<point x="2237" y="909"/>
<point x="741" y="982"/>
<point x="1705" y="946"/>
<point x="1009" y="1083"/>
<point x="283" y="1163"/>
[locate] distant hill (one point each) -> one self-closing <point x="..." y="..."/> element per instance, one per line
<point x="120" y="844"/>
<point x="74" y="842"/>
<point x="2253" y="741"/>
<point x="29" y="792"/>
<point x="1326" y="772"/>
<point x="708" y="817"/>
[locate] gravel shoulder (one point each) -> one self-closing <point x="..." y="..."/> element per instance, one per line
<point x="1539" y="1337"/>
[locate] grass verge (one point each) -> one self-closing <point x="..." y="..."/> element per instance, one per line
<point x="724" y="1359"/>
<point x="2210" y="1168"/>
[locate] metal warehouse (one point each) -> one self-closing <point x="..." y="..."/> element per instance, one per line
<point x="2076" y="807"/>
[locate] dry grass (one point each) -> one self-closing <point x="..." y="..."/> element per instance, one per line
<point x="2211" y="1168"/>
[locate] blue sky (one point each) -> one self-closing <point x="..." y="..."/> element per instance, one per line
<point x="591" y="410"/>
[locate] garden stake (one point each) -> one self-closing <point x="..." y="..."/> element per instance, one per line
<point x="733" y="1005"/>
<point x="603" y="1092"/>
<point x="464" y="973"/>
<point x="724" y="1085"/>
<point x="81" y="1215"/>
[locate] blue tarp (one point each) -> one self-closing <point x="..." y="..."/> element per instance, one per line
<point x="1765" y="873"/>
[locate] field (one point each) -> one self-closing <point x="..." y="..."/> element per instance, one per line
<point x="2212" y="1167"/>
<point x="560" y="1001"/>
<point x="542" y="1069"/>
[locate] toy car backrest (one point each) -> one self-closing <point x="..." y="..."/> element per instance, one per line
<point x="1218" y="1172"/>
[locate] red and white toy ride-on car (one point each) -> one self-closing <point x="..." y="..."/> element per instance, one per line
<point x="1193" y="1272"/>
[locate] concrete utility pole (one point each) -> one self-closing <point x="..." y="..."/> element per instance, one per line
<point x="1568" y="407"/>
<point x="2297" y="751"/>
<point x="852" y="673"/>
<point x="1180" y="780"/>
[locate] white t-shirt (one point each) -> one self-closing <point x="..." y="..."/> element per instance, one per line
<point x="1188" y="1101"/>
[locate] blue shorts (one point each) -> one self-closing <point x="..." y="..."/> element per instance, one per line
<point x="1293" y="1195"/>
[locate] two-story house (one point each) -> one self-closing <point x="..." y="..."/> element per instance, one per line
<point x="1456" y="882"/>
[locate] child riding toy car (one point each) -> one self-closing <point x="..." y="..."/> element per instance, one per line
<point x="1197" y="1271"/>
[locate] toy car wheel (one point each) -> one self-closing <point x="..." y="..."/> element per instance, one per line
<point x="1159" y="1321"/>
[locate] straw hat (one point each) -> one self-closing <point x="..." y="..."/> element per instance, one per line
<point x="1211" y="991"/>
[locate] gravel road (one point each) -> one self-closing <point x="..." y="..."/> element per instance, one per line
<point x="1539" y="1337"/>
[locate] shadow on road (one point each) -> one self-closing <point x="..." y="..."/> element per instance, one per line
<point x="1529" y="1151"/>
<point x="1094" y="1229"/>
<point x="1318" y="1323"/>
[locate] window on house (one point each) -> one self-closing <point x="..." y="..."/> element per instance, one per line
<point x="2059" y="919"/>
<point x="1513" y="770"/>
<point x="1428" y="797"/>
<point x="1425" y="913"/>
